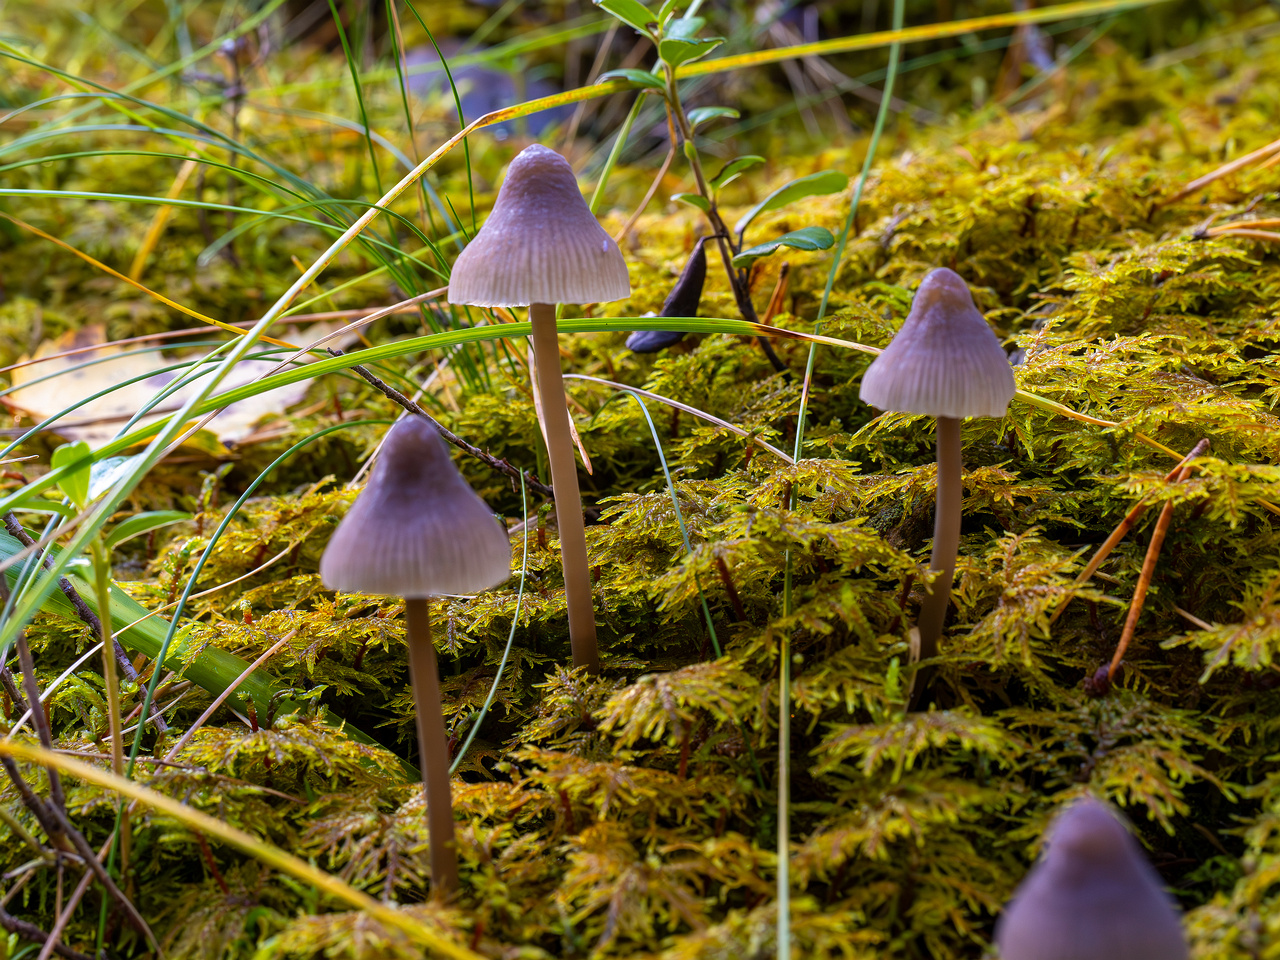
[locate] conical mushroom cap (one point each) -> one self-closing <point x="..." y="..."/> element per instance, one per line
<point x="1092" y="896"/>
<point x="945" y="361"/>
<point x="541" y="243"/>
<point x="416" y="529"/>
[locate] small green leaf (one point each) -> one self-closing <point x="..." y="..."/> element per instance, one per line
<point x="814" y="185"/>
<point x="700" y="115"/>
<point x="641" y="78"/>
<point x="141" y="523"/>
<point x="41" y="505"/>
<point x="76" y="483"/>
<point x="807" y="238"/>
<point x="668" y="9"/>
<point x="676" y="52"/>
<point x="630" y="12"/>
<point x="734" y="169"/>
<point x="105" y="474"/>
<point x="685" y="29"/>
<point x="694" y="200"/>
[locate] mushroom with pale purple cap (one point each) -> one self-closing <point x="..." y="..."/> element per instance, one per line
<point x="542" y="246"/>
<point x="945" y="363"/>
<point x="1092" y="896"/>
<point x="417" y="530"/>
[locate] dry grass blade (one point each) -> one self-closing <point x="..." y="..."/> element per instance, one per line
<point x="676" y="404"/>
<point x="222" y="697"/>
<point x="99" y="265"/>
<point x="161" y="218"/>
<point x="267" y="853"/>
<point x="1257" y="156"/>
<point x="932" y="31"/>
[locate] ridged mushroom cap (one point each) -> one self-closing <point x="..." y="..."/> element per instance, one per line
<point x="541" y="243"/>
<point x="1092" y="896"/>
<point x="416" y="529"/>
<point x="945" y="361"/>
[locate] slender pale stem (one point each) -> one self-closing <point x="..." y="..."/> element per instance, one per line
<point x="102" y="584"/>
<point x="946" y="537"/>
<point x="434" y="747"/>
<point x="564" y="477"/>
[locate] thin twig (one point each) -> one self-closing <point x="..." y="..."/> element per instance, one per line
<point x="1122" y="530"/>
<point x="29" y="931"/>
<point x="653" y="188"/>
<point x="221" y="698"/>
<point x="1261" y="153"/>
<point x="91" y="861"/>
<point x="1144" y="579"/>
<point x="502" y="466"/>
<point x="38" y="718"/>
<point x="730" y="589"/>
<point x="55" y="933"/>
<point x="84" y="612"/>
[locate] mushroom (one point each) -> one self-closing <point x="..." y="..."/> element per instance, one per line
<point x="1092" y="896"/>
<point x="541" y="246"/>
<point x="945" y="363"/>
<point x="418" y="530"/>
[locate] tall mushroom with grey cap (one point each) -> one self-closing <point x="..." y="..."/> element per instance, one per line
<point x="542" y="246"/>
<point x="1092" y="896"/>
<point x="945" y="363"/>
<point x="417" y="530"/>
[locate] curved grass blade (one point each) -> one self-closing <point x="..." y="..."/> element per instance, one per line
<point x="265" y="852"/>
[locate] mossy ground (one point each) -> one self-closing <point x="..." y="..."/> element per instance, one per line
<point x="634" y="814"/>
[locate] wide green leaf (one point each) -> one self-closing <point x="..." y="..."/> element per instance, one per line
<point x="641" y="78"/>
<point x="694" y="200"/>
<point x="814" y="185"/>
<point x="630" y="12"/>
<point x="734" y="169"/>
<point x="807" y="238"/>
<point x="141" y="523"/>
<point x="75" y="482"/>
<point x="668" y="8"/>
<point x="700" y="115"/>
<point x="676" y="52"/>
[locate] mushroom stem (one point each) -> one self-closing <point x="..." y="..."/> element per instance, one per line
<point x="564" y="479"/>
<point x="434" y="747"/>
<point x="946" y="537"/>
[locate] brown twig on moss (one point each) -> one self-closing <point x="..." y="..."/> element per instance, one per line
<point x="502" y="466"/>
<point x="1144" y="579"/>
<point x="730" y="589"/>
<point x="29" y="931"/>
<point x="1123" y="528"/>
<point x="1262" y="153"/>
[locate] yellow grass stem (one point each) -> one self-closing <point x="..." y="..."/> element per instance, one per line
<point x="265" y="852"/>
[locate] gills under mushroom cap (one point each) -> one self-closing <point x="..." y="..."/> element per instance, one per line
<point x="541" y="243"/>
<point x="1092" y="896"/>
<point x="416" y="529"/>
<point x="945" y="361"/>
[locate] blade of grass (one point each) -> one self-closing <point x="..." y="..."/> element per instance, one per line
<point x="260" y="850"/>
<point x="784" y="652"/>
<point x="511" y="636"/>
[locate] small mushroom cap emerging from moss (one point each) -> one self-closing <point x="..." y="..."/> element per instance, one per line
<point x="416" y="529"/>
<point x="541" y="243"/>
<point x="1092" y="896"/>
<point x="945" y="361"/>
